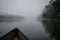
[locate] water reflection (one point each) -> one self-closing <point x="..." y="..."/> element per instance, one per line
<point x="51" y="20"/>
<point x="11" y="18"/>
<point x="52" y="27"/>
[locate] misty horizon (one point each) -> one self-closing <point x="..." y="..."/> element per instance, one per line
<point x="29" y="9"/>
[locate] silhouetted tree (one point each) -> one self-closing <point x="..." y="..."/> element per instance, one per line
<point x="52" y="25"/>
<point x="10" y="18"/>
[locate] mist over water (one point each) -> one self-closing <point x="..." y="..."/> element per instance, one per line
<point x="29" y="9"/>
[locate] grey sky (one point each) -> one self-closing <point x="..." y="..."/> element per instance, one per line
<point x="22" y="7"/>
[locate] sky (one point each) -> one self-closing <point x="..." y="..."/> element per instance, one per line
<point x="27" y="8"/>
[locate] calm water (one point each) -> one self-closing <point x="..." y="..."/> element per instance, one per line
<point x="33" y="29"/>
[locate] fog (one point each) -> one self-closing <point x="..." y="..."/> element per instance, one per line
<point x="23" y="7"/>
<point x="29" y="9"/>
